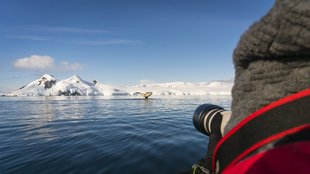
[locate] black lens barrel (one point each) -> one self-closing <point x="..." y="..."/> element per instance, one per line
<point x="199" y="117"/>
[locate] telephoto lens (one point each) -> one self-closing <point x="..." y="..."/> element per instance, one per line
<point x="208" y="116"/>
<point x="210" y="120"/>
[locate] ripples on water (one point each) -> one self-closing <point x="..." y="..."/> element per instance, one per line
<point x="101" y="135"/>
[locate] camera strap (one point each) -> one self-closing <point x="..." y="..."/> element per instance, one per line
<point x="286" y="116"/>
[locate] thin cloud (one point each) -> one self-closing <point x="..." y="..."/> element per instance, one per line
<point x="109" y="42"/>
<point x="50" y="34"/>
<point x="30" y="37"/>
<point x="82" y="42"/>
<point x="45" y="63"/>
<point x="68" y="30"/>
<point x="67" y="66"/>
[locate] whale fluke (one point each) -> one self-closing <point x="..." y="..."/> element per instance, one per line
<point x="146" y="95"/>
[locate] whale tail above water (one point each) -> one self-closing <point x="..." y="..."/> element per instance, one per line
<point x="146" y="95"/>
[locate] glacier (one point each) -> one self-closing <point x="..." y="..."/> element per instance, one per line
<point x="48" y="85"/>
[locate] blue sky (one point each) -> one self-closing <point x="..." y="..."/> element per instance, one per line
<point x="122" y="41"/>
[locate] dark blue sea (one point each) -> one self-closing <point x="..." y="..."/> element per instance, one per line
<point x="101" y="135"/>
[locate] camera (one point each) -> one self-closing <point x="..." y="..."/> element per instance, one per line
<point x="209" y="118"/>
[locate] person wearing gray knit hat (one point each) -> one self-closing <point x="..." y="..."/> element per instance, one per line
<point x="269" y="127"/>
<point x="272" y="59"/>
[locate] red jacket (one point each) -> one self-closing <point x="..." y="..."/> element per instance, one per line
<point x="285" y="124"/>
<point x="289" y="158"/>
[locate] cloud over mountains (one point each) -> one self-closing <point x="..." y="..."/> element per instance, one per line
<point x="39" y="63"/>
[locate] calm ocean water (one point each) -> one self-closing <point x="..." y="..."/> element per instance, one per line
<point x="101" y="135"/>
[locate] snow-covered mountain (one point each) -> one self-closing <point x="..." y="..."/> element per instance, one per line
<point x="41" y="86"/>
<point x="186" y="88"/>
<point x="73" y="86"/>
<point x="48" y="85"/>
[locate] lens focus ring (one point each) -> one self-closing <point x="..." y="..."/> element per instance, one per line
<point x="203" y="116"/>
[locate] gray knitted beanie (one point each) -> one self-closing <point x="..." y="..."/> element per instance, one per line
<point x="272" y="59"/>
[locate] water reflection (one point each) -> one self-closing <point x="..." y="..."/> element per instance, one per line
<point x="100" y="135"/>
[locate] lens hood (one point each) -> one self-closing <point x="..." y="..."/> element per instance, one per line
<point x="202" y="116"/>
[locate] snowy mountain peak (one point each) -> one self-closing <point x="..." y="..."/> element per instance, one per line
<point x="48" y="77"/>
<point x="74" y="79"/>
<point x="75" y="76"/>
<point x="41" y="86"/>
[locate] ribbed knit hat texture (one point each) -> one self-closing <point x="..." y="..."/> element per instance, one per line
<point x="272" y="59"/>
